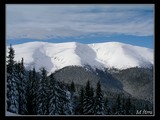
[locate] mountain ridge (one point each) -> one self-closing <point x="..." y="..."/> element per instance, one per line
<point x="54" y="56"/>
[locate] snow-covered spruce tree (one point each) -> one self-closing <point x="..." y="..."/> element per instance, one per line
<point x="53" y="97"/>
<point x="32" y="92"/>
<point x="69" y="104"/>
<point x="63" y="104"/>
<point x="29" y="95"/>
<point x="12" y="93"/>
<point x="99" y="101"/>
<point x="72" y="98"/>
<point x="88" y="100"/>
<point x="20" y="74"/>
<point x="43" y="94"/>
<point x="80" y="104"/>
<point x="59" y="98"/>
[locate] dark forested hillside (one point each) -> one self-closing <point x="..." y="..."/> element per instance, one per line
<point x="137" y="82"/>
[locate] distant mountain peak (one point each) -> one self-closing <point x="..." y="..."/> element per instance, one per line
<point x="54" y="56"/>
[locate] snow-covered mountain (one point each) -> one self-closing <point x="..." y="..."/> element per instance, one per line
<point x="54" y="56"/>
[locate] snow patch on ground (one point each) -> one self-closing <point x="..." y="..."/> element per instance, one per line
<point x="11" y="114"/>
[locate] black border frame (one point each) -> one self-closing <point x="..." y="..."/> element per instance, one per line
<point x="156" y="56"/>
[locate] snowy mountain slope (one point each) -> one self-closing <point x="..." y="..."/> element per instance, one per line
<point x="122" y="56"/>
<point x="100" y="55"/>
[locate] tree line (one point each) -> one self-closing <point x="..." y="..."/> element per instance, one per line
<point x="35" y="93"/>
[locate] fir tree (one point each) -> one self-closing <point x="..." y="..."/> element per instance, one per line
<point x="42" y="93"/>
<point x="88" y="100"/>
<point x="99" y="101"/>
<point x="21" y="86"/>
<point x="72" y="98"/>
<point x="59" y="98"/>
<point x="63" y="106"/>
<point x="29" y="95"/>
<point x="69" y="103"/>
<point x="54" y="96"/>
<point x="32" y="92"/>
<point x="12" y="93"/>
<point x="79" y="108"/>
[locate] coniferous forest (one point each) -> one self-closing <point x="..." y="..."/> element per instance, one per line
<point x="29" y="92"/>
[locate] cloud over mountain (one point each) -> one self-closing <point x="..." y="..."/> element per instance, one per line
<point x="51" y="21"/>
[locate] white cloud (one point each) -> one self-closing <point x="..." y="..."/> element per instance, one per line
<point x="49" y="21"/>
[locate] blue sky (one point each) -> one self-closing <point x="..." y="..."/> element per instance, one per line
<point x="84" y="23"/>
